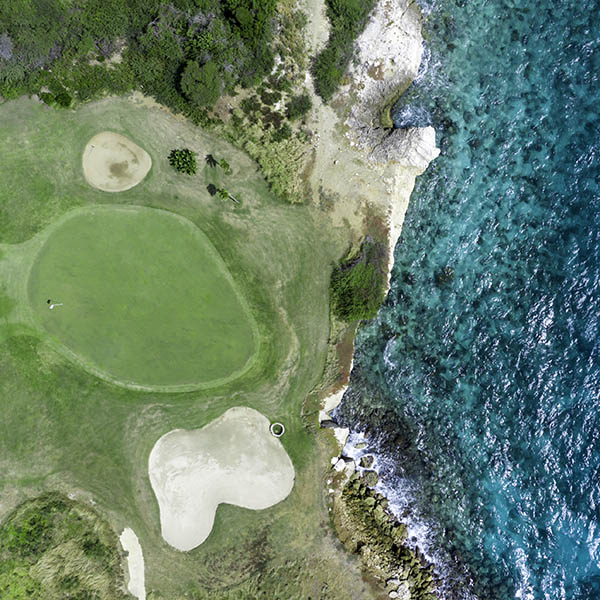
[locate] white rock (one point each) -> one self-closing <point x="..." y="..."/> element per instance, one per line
<point x="323" y="416"/>
<point x="414" y="147"/>
<point x="341" y="435"/>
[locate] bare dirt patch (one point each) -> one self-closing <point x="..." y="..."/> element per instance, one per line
<point x="113" y="163"/>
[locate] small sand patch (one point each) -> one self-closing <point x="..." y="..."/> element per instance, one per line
<point x="234" y="459"/>
<point x="113" y="163"/>
<point x="135" y="563"/>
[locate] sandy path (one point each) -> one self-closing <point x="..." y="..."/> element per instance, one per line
<point x="234" y="459"/>
<point x="113" y="163"/>
<point x="135" y="563"/>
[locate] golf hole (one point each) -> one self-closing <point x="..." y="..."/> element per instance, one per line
<point x="277" y="429"/>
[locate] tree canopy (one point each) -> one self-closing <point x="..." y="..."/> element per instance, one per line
<point x="201" y="84"/>
<point x="185" y="53"/>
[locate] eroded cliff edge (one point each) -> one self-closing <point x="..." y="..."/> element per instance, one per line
<point x="369" y="169"/>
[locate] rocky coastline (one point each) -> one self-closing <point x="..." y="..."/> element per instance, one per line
<point x="377" y="168"/>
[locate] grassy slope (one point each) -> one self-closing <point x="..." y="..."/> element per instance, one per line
<point x="62" y="428"/>
<point x="146" y="298"/>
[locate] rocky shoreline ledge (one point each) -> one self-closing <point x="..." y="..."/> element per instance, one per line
<point x="370" y="168"/>
<point x="366" y="527"/>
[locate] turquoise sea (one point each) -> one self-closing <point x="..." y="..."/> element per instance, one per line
<point x="481" y="395"/>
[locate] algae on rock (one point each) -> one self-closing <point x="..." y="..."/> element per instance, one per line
<point x="367" y="528"/>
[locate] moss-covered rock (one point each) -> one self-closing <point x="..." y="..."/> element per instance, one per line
<point x="371" y="478"/>
<point x="365" y="526"/>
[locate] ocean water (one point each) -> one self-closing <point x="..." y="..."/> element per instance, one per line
<point x="481" y="394"/>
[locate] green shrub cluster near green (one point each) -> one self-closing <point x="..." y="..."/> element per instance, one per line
<point x="185" y="53"/>
<point x="358" y="284"/>
<point x="348" y="19"/>
<point x="184" y="161"/>
<point x="52" y="547"/>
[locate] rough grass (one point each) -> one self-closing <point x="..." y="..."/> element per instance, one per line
<point x="53" y="548"/>
<point x="146" y="300"/>
<point x="64" y="429"/>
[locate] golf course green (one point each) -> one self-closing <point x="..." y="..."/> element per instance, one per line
<point x="84" y="397"/>
<point x="141" y="297"/>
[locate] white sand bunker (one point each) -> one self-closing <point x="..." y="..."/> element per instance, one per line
<point x="135" y="563"/>
<point x="113" y="163"/>
<point x="233" y="459"/>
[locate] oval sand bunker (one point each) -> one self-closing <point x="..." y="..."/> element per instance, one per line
<point x="234" y="459"/>
<point x="113" y="163"/>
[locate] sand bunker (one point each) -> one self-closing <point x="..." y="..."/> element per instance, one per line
<point x="113" y="163"/>
<point x="135" y="563"/>
<point x="234" y="459"/>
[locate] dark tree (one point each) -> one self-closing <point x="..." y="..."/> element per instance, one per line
<point x="201" y="84"/>
<point x="212" y="189"/>
<point x="298" y="106"/>
<point x="211" y="161"/>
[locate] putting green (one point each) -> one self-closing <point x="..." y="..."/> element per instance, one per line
<point x="142" y="298"/>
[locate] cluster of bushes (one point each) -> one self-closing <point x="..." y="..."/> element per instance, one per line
<point x="54" y="531"/>
<point x="186" y="53"/>
<point x="348" y="19"/>
<point x="358" y="284"/>
<point x="184" y="161"/>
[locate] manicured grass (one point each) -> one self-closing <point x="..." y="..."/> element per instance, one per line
<point x="146" y="299"/>
<point x="64" y="429"/>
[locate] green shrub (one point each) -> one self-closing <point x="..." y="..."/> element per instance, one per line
<point x="201" y="84"/>
<point x="89" y="548"/>
<point x="64" y="100"/>
<point x="184" y="161"/>
<point x="48" y="98"/>
<point x="270" y="97"/>
<point x="282" y="133"/>
<point x="298" y="106"/>
<point x="348" y="19"/>
<point x="18" y="584"/>
<point x="358" y="284"/>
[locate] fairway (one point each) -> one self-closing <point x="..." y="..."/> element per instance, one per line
<point x="142" y="298"/>
<point x="142" y="284"/>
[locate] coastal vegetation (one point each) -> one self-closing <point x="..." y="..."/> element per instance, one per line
<point x="186" y="53"/>
<point x="348" y="18"/>
<point x="358" y="283"/>
<point x="53" y="547"/>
